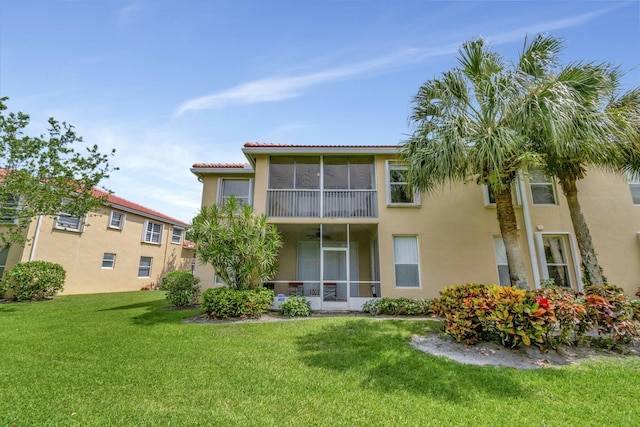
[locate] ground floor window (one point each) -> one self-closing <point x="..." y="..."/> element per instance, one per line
<point x="556" y="261"/>
<point x="501" y="261"/>
<point x="405" y="260"/>
<point x="144" y="269"/>
<point x="3" y="261"/>
<point x="108" y="260"/>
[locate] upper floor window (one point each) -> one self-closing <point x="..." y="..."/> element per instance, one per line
<point x="288" y="173"/>
<point x="240" y="188"/>
<point x="9" y="210"/>
<point x="490" y="196"/>
<point x="542" y="188"/>
<point x="398" y="190"/>
<point x="634" y="187"/>
<point x="152" y="232"/>
<point x="176" y="235"/>
<point x="65" y="221"/>
<point x="116" y="220"/>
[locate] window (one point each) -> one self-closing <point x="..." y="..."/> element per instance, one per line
<point x="176" y="235"/>
<point x="405" y="260"/>
<point x="108" y="260"/>
<point x="398" y="191"/>
<point x="240" y="188"/>
<point x="3" y="261"/>
<point x="634" y="187"/>
<point x="152" y="232"/>
<point x="555" y="260"/>
<point x="144" y="269"/>
<point x="542" y="188"/>
<point x="9" y="210"/>
<point x="116" y="220"/>
<point x="489" y="196"/>
<point x="501" y="261"/>
<point x="65" y="221"/>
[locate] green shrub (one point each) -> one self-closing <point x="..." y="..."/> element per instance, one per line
<point x="505" y="314"/>
<point x="182" y="288"/>
<point x="464" y="310"/>
<point x="34" y="280"/>
<point x="397" y="306"/>
<point x="296" y="306"/>
<point x="572" y="321"/>
<point x="225" y="302"/>
<point x="612" y="313"/>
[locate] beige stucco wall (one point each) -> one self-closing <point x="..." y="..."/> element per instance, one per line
<point x="455" y="231"/>
<point x="81" y="254"/>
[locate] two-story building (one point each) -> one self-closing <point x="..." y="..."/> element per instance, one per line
<point x="122" y="247"/>
<point x="353" y="230"/>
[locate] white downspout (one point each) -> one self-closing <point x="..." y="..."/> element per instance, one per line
<point x="32" y="254"/>
<point x="529" y="231"/>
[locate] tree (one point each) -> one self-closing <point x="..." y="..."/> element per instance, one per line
<point x="44" y="175"/>
<point x="242" y="247"/>
<point x="465" y="128"/>
<point x="598" y="128"/>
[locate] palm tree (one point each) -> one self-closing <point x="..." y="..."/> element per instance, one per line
<point x="575" y="120"/>
<point x="465" y="128"/>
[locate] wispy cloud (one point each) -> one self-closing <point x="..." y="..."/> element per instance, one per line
<point x="128" y="13"/>
<point x="278" y="88"/>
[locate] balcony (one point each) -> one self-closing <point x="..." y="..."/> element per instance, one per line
<point x="322" y="203"/>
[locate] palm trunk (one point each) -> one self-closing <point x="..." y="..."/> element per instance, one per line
<point x="591" y="267"/>
<point x="509" y="231"/>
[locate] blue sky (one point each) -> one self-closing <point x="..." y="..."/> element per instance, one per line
<point x="169" y="83"/>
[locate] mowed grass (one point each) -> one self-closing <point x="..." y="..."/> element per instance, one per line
<point x="125" y="360"/>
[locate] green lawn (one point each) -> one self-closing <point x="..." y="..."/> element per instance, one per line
<point x="123" y="359"/>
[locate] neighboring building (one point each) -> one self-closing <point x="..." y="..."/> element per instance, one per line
<point x="353" y="230"/>
<point x="123" y="247"/>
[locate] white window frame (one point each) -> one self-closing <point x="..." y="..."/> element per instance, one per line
<point x="112" y="261"/>
<point x="572" y="256"/>
<point x="634" y="183"/>
<point x="389" y="166"/>
<point x="499" y="251"/>
<point x="487" y="199"/>
<point x="147" y="235"/>
<point x="120" y="226"/>
<point x="149" y="267"/>
<point x="417" y="263"/>
<point x="550" y="183"/>
<point x="4" y="255"/>
<point x="13" y="202"/>
<point x="60" y="226"/>
<point x="221" y="198"/>
<point x="180" y="237"/>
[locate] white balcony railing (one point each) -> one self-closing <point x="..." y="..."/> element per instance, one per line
<point x="322" y="203"/>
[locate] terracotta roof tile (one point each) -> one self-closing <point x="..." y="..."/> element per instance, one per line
<point x="119" y="201"/>
<point x="221" y="165"/>
<point x="270" y="145"/>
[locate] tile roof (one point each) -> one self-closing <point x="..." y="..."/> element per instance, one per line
<point x="221" y="165"/>
<point x="116" y="201"/>
<point x="270" y="145"/>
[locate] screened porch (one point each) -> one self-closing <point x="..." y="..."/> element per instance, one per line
<point x="335" y="266"/>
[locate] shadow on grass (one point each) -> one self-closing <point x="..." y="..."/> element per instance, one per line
<point x="379" y="351"/>
<point x="156" y="312"/>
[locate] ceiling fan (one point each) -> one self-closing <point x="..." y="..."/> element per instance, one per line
<point x="316" y="235"/>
